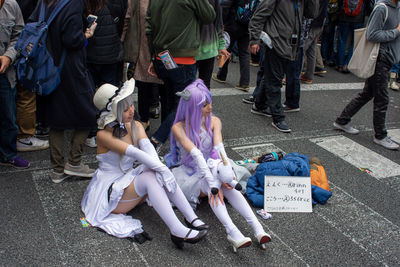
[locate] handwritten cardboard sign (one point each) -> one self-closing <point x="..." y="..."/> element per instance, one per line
<point x="287" y="194"/>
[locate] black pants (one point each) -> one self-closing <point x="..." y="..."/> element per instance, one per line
<point x="242" y="39"/>
<point x="269" y="94"/>
<point x="205" y="68"/>
<point x="375" y="88"/>
<point x="146" y="95"/>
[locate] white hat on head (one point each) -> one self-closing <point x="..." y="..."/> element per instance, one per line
<point x="106" y="99"/>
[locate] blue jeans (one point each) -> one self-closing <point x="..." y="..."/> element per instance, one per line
<point x="293" y="71"/>
<point x="175" y="80"/>
<point x="344" y="29"/>
<point x="395" y="68"/>
<point x="8" y="125"/>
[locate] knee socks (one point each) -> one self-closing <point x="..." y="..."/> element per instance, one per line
<point x="146" y="183"/>
<point x="223" y="216"/>
<point x="179" y="200"/>
<point x="239" y="203"/>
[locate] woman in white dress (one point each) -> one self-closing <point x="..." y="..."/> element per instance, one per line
<point x="196" y="137"/>
<point x="117" y="187"/>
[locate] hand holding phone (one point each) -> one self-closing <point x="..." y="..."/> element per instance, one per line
<point x="91" y="19"/>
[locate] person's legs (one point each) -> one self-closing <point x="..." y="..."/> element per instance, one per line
<point x="311" y="52"/>
<point x="381" y="98"/>
<point x="357" y="103"/>
<point x="343" y="30"/>
<point x="244" y="59"/>
<point x="240" y="204"/>
<point x="56" y="140"/>
<point x="77" y="141"/>
<point x="144" y="100"/>
<point x="180" y="201"/>
<point x="205" y="68"/>
<point x="222" y="214"/>
<point x="146" y="183"/>
<point x="9" y="130"/>
<point x="352" y="27"/>
<point x="292" y="92"/>
<point x="270" y="92"/>
<point x="175" y="80"/>
<point x="223" y="72"/>
<point x="26" y="112"/>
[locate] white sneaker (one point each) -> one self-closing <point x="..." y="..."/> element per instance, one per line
<point x="346" y="128"/>
<point x="91" y="142"/>
<point x="387" y="142"/>
<point x="31" y="144"/>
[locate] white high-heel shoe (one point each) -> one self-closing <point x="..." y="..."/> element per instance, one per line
<point x="263" y="239"/>
<point x="243" y="243"/>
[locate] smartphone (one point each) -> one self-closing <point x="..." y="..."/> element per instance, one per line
<point x="91" y="19"/>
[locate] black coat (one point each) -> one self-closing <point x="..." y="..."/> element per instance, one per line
<point x="27" y="7"/>
<point x="70" y="106"/>
<point x="105" y="46"/>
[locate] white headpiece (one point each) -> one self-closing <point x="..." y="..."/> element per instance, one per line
<point x="106" y="99"/>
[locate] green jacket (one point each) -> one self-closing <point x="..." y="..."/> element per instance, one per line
<point x="175" y="25"/>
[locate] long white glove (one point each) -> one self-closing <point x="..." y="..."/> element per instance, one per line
<point x="202" y="167"/>
<point x="164" y="175"/>
<point x="147" y="147"/>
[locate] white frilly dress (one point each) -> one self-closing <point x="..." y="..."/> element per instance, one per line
<point x="114" y="174"/>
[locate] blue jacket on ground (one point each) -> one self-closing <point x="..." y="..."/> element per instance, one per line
<point x="293" y="164"/>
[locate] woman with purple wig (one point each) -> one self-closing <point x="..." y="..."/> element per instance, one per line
<point x="196" y="137"/>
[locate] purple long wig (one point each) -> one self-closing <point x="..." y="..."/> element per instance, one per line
<point x="189" y="112"/>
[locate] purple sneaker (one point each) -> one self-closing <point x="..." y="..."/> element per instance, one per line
<point x="17" y="163"/>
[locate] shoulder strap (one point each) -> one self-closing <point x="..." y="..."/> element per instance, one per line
<point x="387" y="11"/>
<point x="57" y="10"/>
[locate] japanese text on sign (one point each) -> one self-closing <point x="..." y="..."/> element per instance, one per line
<point x="287" y="194"/>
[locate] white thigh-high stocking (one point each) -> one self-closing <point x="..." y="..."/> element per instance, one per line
<point x="146" y="183"/>
<point x="222" y="214"/>
<point x="239" y="203"/>
<point x="180" y="201"/>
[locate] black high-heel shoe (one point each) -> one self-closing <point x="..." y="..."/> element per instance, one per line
<point x="204" y="226"/>
<point x="179" y="241"/>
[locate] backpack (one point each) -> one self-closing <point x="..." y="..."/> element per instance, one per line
<point x="35" y="66"/>
<point x="245" y="10"/>
<point x="352" y="7"/>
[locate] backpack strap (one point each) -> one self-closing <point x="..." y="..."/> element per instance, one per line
<point x="56" y="10"/>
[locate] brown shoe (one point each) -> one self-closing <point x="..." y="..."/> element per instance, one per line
<point x="242" y="87"/>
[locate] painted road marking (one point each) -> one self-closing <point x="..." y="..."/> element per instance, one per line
<point x="359" y="156"/>
<point x="363" y="226"/>
<point x="253" y="151"/>
<point x="62" y="207"/>
<point x="226" y="91"/>
<point x="395" y="135"/>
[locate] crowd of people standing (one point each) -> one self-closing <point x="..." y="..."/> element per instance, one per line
<point x="165" y="43"/>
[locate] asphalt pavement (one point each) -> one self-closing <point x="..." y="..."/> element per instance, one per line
<point x="359" y="226"/>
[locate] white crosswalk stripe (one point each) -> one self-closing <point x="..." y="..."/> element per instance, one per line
<point x="366" y="228"/>
<point x="359" y="156"/>
<point x="395" y="135"/>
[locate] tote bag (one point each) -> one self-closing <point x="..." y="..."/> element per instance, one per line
<point x="365" y="53"/>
